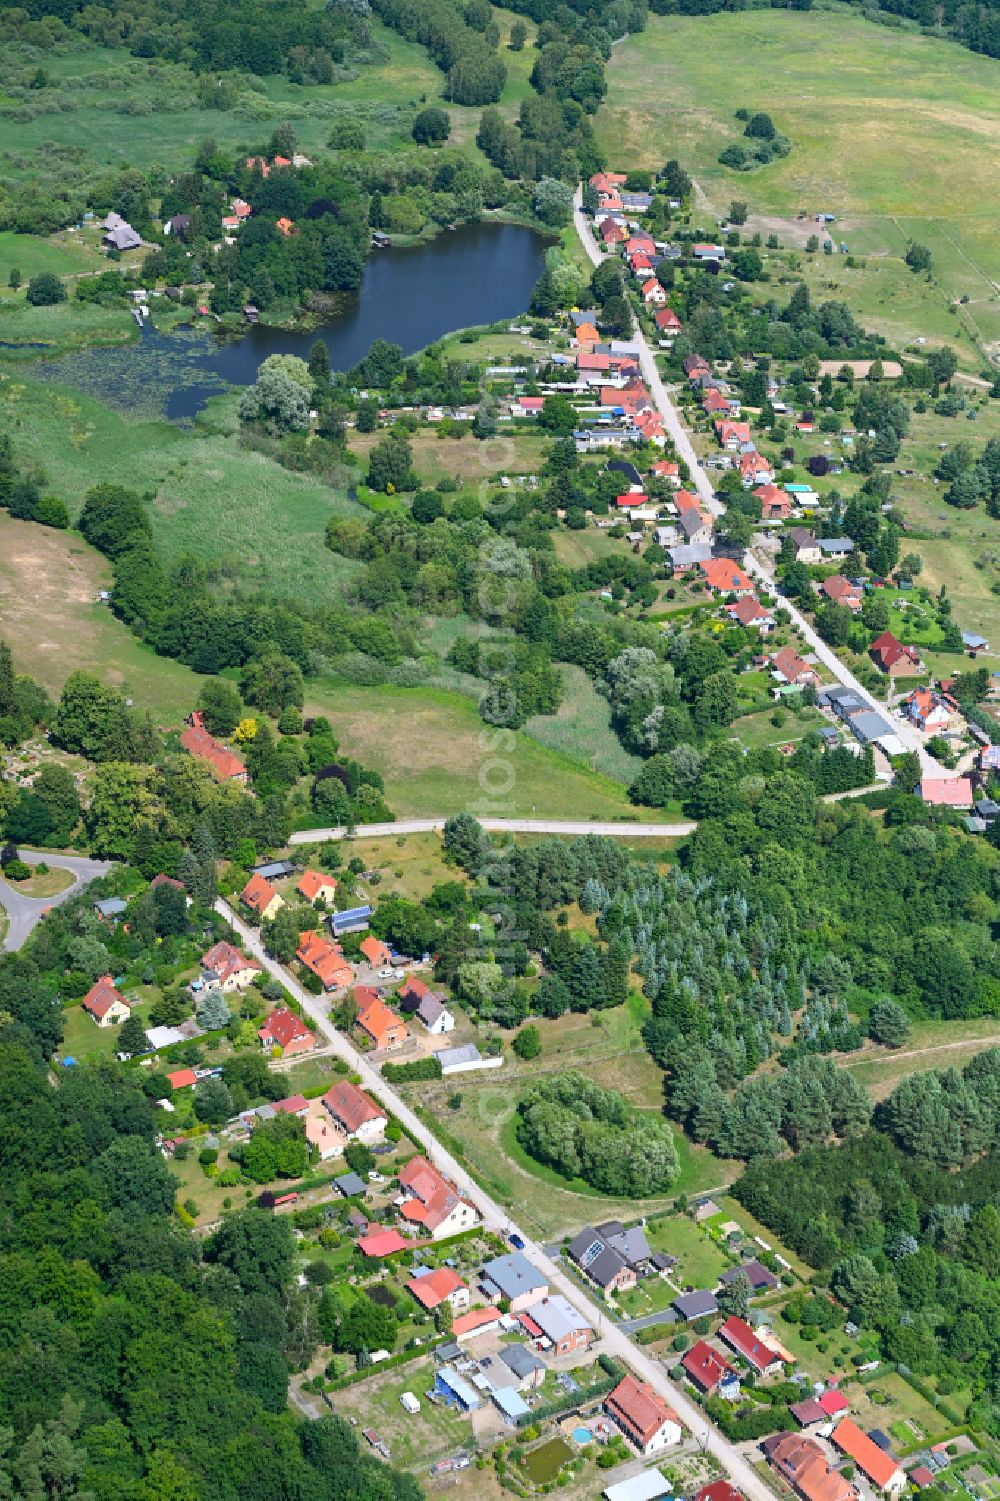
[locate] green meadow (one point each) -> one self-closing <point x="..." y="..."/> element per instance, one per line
<point x="895" y="133"/>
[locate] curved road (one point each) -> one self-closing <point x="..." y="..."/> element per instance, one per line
<point x="24" y="912"/>
<point x="504" y="825"/>
<point x="909" y="736"/>
<point x="495" y="1217"/>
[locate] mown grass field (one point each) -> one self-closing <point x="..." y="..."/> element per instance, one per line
<point x="857" y="101"/>
<point x="63" y="254"/>
<point x="437" y="756"/>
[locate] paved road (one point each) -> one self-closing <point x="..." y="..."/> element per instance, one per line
<point x="675" y="830"/>
<point x="909" y="736"/>
<point x="495" y="1217"/>
<point x="24" y="912"/>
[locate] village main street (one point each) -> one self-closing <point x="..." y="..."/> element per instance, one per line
<point x="680" y="436"/>
<point x="615" y="1340"/>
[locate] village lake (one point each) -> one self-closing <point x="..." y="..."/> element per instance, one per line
<point x="476" y="274"/>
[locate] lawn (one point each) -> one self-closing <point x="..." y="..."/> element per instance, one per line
<point x="64" y="254"/>
<point x="45" y="883"/>
<point x="49" y="616"/>
<point x="83" y="1039"/>
<point x="671" y="93"/>
<point x="700" y="1262"/>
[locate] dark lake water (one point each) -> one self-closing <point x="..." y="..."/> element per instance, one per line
<point x="477" y="274"/>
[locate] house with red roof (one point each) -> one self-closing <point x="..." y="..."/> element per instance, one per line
<point x="630" y="502"/>
<point x="719" y="1490"/>
<point x="932" y="712"/>
<point x="738" y="1335"/>
<point x="755" y="470"/>
<point x="527" y="406"/>
<point x="775" y="503"/>
<point x="946" y="792"/>
<point x="643" y="1416"/>
<point x="477" y="1321"/>
<point x="355" y="1112"/>
<point x="285" y="226"/>
<point x="105" y="1004"/>
<point x="261" y="897"/>
<point x="586" y="333"/>
<point x="695" y="367"/>
<point x="605" y="181"/>
<point x="224" y="967"/>
<point x="685" y="501"/>
<point x="832" y="1403"/>
<point x="751" y="615"/>
<point x="653" y="295"/>
<point x="665" y="469"/>
<point x="706" y="1368"/>
<point x="384" y="1029"/>
<point x="317" y="886"/>
<point x="802" y="1463"/>
<point x="325" y="960"/>
<point x="611" y="231"/>
<point x="592" y="362"/>
<point x="882" y="1469"/>
<point x="732" y="435"/>
<point x="224" y="764"/>
<point x="650" y="424"/>
<point x="667" y="321"/>
<point x="382" y="1243"/>
<point x="842" y="592"/>
<point x="431" y="1289"/>
<point x="284" y="1030"/>
<point x="432" y="1202"/>
<point x="182" y="1078"/>
<point x="713" y="403"/>
<point x="725" y="577"/>
<point x="378" y="954"/>
<point x="793" y="668"/>
<point x="893" y="657"/>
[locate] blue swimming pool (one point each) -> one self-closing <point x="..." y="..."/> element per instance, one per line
<point x="582" y="1436"/>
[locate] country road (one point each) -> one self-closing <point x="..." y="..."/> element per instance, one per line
<point x="680" y="435"/>
<point x="25" y="912"/>
<point x="610" y="830"/>
<point x="495" y="1217"/>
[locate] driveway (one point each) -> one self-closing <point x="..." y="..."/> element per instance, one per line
<point x="907" y="733"/>
<point x="24" y="912"/>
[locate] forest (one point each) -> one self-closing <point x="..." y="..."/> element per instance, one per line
<point x="137" y="1363"/>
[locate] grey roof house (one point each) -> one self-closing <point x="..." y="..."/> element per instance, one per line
<point x="758" y="1275"/>
<point x="122" y="237"/>
<point x="514" y="1277"/>
<point x="696" y="1305"/>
